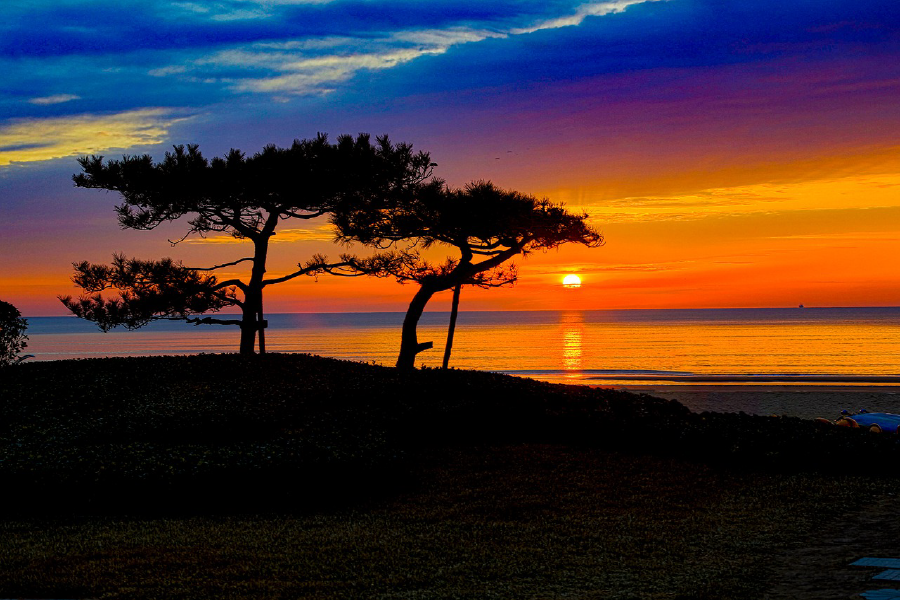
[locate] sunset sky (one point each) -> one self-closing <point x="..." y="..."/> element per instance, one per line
<point x="733" y="153"/>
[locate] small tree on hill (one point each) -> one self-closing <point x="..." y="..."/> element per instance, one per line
<point x="12" y="334"/>
<point x="484" y="225"/>
<point x="244" y="196"/>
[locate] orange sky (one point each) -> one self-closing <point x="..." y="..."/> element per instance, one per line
<point x="825" y="241"/>
<point x="757" y="168"/>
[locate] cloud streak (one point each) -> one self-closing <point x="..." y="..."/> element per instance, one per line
<point x="55" y="99"/>
<point x="239" y="10"/>
<point x="317" y="65"/>
<point x="591" y="9"/>
<point x="30" y="140"/>
<point x="310" y="67"/>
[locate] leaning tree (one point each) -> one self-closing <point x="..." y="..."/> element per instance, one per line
<point x="242" y="196"/>
<point x="485" y="226"/>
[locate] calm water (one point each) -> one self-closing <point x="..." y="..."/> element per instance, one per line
<point x="595" y="347"/>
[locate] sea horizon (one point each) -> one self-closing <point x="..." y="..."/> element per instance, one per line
<point x="827" y="345"/>
<point x="548" y="310"/>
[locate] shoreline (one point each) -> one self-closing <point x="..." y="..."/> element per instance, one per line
<point x="768" y="379"/>
<point x="796" y="400"/>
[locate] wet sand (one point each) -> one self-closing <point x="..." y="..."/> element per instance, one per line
<point x="804" y="401"/>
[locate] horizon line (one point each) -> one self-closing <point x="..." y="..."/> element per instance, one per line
<point x="373" y="312"/>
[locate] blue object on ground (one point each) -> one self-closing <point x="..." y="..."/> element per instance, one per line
<point x="870" y="561"/>
<point x="887" y="421"/>
<point x="884" y="594"/>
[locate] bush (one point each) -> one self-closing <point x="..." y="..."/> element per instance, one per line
<point x="12" y="334"/>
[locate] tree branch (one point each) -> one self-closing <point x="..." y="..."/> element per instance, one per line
<point x="209" y="321"/>
<point x="182" y="238"/>
<point x="235" y="282"/>
<point x="502" y="257"/>
<point x="296" y="215"/>
<point x="231" y="264"/>
<point x="318" y="265"/>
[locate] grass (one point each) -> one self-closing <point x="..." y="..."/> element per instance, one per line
<point x="302" y="477"/>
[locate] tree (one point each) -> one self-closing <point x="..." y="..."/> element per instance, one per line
<point x="12" y="334"/>
<point x="486" y="227"/>
<point x="243" y="196"/>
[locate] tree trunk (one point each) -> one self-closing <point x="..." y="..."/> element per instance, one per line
<point x="262" y="327"/>
<point x="454" y="309"/>
<point x="409" y="343"/>
<point x="248" y="330"/>
<point x="252" y="321"/>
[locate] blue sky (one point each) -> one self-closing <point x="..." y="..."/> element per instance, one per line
<point x="159" y="62"/>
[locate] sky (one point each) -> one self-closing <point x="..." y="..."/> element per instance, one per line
<point x="733" y="153"/>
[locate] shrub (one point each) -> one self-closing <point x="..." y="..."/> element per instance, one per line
<point x="12" y="334"/>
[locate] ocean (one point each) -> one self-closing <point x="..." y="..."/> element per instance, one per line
<point x="854" y="346"/>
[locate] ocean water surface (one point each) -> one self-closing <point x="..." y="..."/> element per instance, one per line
<point x="809" y="345"/>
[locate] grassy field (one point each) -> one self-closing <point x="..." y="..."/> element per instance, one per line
<point x="290" y="476"/>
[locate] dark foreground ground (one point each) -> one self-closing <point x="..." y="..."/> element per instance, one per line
<point x="291" y="476"/>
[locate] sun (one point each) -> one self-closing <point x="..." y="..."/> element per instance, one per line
<point x="572" y="281"/>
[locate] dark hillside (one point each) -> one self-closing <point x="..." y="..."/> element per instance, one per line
<point x="221" y="431"/>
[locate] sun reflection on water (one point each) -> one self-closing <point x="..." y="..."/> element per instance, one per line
<point x="572" y="341"/>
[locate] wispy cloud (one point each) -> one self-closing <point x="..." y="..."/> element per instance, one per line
<point x="681" y="208"/>
<point x="599" y="268"/>
<point x="313" y="66"/>
<point x="699" y="200"/>
<point x="170" y="70"/>
<point x="30" y="140"/>
<point x="55" y="99"/>
<point x="591" y="9"/>
<point x="239" y="10"/>
<point x="859" y="236"/>
<point x="316" y="66"/>
<point x="858" y="192"/>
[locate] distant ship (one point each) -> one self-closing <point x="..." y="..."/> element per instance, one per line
<point x="801" y="306"/>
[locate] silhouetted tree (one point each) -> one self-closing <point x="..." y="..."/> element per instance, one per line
<point x="244" y="196"/>
<point x="485" y="225"/>
<point x="12" y="334"/>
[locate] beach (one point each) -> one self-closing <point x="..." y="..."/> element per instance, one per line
<point x="802" y="400"/>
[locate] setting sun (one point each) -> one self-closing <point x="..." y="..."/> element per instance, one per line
<point x="572" y="281"/>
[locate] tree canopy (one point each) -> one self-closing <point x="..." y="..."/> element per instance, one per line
<point x="148" y="290"/>
<point x="12" y="334"/>
<point x="484" y="225"/>
<point x="238" y="195"/>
